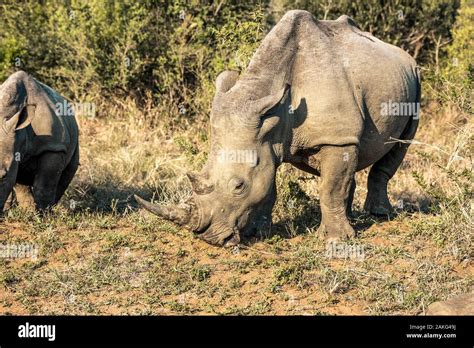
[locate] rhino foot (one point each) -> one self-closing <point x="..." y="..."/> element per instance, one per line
<point x="336" y="232"/>
<point x="378" y="206"/>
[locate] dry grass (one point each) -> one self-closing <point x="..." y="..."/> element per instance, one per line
<point x="102" y="256"/>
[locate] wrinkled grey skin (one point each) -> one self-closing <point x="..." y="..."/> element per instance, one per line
<point x="39" y="150"/>
<point x="311" y="96"/>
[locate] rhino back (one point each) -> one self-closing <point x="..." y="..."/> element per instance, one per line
<point x="342" y="76"/>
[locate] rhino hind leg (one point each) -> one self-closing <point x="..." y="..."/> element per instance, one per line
<point x="67" y="175"/>
<point x="338" y="165"/>
<point x="50" y="168"/>
<point x="377" y="202"/>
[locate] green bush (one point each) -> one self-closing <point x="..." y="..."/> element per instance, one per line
<point x="451" y="79"/>
<point x="172" y="50"/>
<point x="91" y="48"/>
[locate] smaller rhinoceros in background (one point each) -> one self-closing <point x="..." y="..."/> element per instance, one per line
<point x="39" y="148"/>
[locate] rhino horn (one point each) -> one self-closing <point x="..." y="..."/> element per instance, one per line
<point x="199" y="183"/>
<point x="180" y="215"/>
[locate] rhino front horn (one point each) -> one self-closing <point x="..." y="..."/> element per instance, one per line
<point x="179" y="215"/>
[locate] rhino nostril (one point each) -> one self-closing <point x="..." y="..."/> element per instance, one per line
<point x="232" y="239"/>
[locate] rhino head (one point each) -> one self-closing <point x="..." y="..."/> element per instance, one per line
<point x="235" y="192"/>
<point x="15" y="114"/>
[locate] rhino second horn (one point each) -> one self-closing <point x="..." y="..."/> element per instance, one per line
<point x="199" y="184"/>
<point x="179" y="215"/>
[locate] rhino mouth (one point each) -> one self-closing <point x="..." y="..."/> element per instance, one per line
<point x="218" y="235"/>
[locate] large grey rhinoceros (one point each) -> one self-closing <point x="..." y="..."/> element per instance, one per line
<point x="321" y="95"/>
<point x="39" y="148"/>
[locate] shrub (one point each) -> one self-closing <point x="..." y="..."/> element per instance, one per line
<point x="97" y="48"/>
<point x="172" y="50"/>
<point x="451" y="79"/>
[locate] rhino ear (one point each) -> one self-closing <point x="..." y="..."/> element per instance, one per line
<point x="262" y="105"/>
<point x="26" y="116"/>
<point x="21" y="119"/>
<point x="226" y="80"/>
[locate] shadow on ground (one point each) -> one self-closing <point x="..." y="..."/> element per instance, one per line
<point x="309" y="218"/>
<point x="105" y="197"/>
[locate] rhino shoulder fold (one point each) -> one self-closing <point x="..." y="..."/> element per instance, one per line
<point x="348" y="20"/>
<point x="19" y="75"/>
<point x="295" y="18"/>
<point x="293" y="14"/>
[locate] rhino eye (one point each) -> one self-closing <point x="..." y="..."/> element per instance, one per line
<point x="237" y="185"/>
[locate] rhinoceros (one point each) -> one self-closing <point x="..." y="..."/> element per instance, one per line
<point x="319" y="94"/>
<point x="39" y="147"/>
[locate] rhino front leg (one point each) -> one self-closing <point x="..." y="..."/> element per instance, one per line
<point x="351" y="197"/>
<point x="46" y="181"/>
<point x="338" y="165"/>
